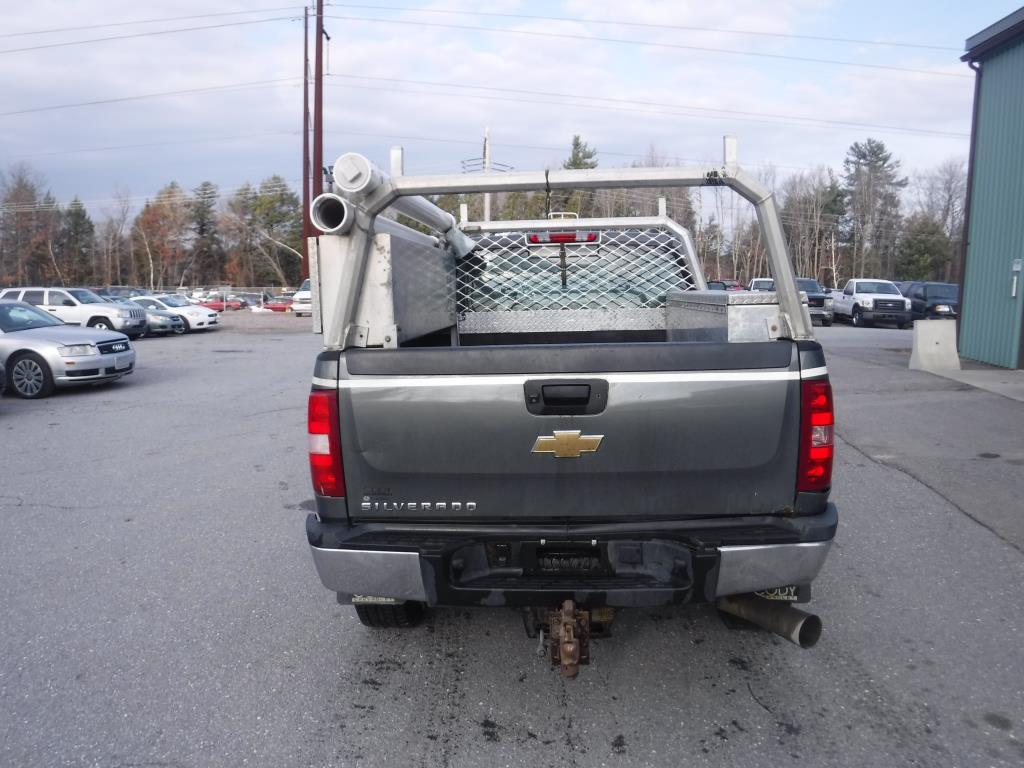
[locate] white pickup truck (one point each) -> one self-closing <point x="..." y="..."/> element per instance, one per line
<point x="866" y="302"/>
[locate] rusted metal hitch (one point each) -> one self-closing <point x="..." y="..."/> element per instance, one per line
<point x="567" y="632"/>
<point x="570" y="638"/>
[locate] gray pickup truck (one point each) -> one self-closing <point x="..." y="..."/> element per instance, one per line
<point x="556" y="416"/>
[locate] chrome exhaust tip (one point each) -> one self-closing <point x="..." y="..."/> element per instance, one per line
<point x="799" y="627"/>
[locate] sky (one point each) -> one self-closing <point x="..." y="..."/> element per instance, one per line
<point x="116" y="99"/>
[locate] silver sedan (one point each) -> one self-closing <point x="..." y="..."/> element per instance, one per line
<point x="39" y="352"/>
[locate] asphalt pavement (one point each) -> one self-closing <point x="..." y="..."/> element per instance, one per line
<point x="160" y="608"/>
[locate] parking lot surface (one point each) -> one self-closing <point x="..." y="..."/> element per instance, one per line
<point x="159" y="605"/>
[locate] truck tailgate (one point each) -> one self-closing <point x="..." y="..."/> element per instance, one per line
<point x="685" y="430"/>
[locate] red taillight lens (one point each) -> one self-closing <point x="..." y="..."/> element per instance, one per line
<point x="325" y="444"/>
<point x="544" y="238"/>
<point x="562" y="237"/>
<point x="817" y="446"/>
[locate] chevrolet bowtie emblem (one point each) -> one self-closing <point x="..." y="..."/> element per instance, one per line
<point x="567" y="444"/>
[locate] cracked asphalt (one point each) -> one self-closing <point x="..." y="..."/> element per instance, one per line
<point x="159" y="606"/>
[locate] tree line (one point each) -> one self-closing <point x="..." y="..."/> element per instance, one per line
<point x="866" y="220"/>
<point x="178" y="238"/>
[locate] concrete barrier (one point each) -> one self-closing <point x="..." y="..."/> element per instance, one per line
<point x="934" y="346"/>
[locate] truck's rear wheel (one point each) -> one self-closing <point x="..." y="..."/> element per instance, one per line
<point x="393" y="616"/>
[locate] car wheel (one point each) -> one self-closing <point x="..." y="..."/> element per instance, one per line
<point x="102" y="323"/>
<point x="858" y="318"/>
<point x="30" y="377"/>
<point x="904" y="326"/>
<point x="826" y="323"/>
<point x="185" y="325"/>
<point x="395" y="616"/>
<point x="178" y="330"/>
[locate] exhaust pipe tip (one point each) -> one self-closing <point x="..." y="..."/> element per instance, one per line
<point x="809" y="633"/>
<point x="331" y="214"/>
<point x="786" y="621"/>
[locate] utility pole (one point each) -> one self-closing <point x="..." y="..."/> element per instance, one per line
<point x="485" y="164"/>
<point x="487" y="169"/>
<point x="306" y="228"/>
<point x="318" y="103"/>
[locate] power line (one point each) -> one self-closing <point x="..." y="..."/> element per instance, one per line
<point x="147" y="145"/>
<point x="587" y="103"/>
<point x="538" y="148"/>
<point x="623" y="23"/>
<point x="209" y="89"/>
<point x="590" y="97"/>
<point x="145" y="34"/>
<point x="652" y="44"/>
<point x="147" y="21"/>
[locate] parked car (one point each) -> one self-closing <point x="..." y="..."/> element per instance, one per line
<point x="220" y="304"/>
<point x="158" y="321"/>
<point x="302" y="300"/>
<point x="819" y="301"/>
<point x="194" y="317"/>
<point x="761" y="284"/>
<point x="865" y="302"/>
<point x="40" y="352"/>
<point x="731" y="285"/>
<point x="277" y="304"/>
<point x="80" y="306"/>
<point x="119" y="291"/>
<point x="931" y="301"/>
<point x="903" y="285"/>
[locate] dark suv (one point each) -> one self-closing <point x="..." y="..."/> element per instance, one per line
<point x="931" y="301"/>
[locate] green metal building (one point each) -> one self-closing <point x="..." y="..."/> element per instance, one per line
<point x="992" y="300"/>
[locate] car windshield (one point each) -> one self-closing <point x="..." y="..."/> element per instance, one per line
<point x="808" y="285"/>
<point x="305" y="285"/>
<point x="85" y="297"/>
<point x="943" y="291"/>
<point x="21" y="317"/>
<point x="865" y="286"/>
<point x="175" y="301"/>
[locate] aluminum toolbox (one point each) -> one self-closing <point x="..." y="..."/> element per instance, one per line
<point x="725" y="316"/>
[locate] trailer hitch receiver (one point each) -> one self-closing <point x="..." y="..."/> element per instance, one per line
<point x="570" y="638"/>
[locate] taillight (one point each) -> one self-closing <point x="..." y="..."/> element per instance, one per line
<point x="817" y="446"/>
<point x="325" y="444"/>
<point x="545" y="238"/>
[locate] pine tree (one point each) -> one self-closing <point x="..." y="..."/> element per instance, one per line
<point x="76" y="244"/>
<point x="206" y="261"/>
<point x="581" y="155"/>
<point x="873" y="185"/>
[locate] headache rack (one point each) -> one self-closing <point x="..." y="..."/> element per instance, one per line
<point x="379" y="283"/>
<point x="572" y="275"/>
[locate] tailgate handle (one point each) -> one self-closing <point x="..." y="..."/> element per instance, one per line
<point x="566" y="394"/>
<point x="566" y="397"/>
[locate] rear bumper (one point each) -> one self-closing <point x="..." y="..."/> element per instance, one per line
<point x="608" y="564"/>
